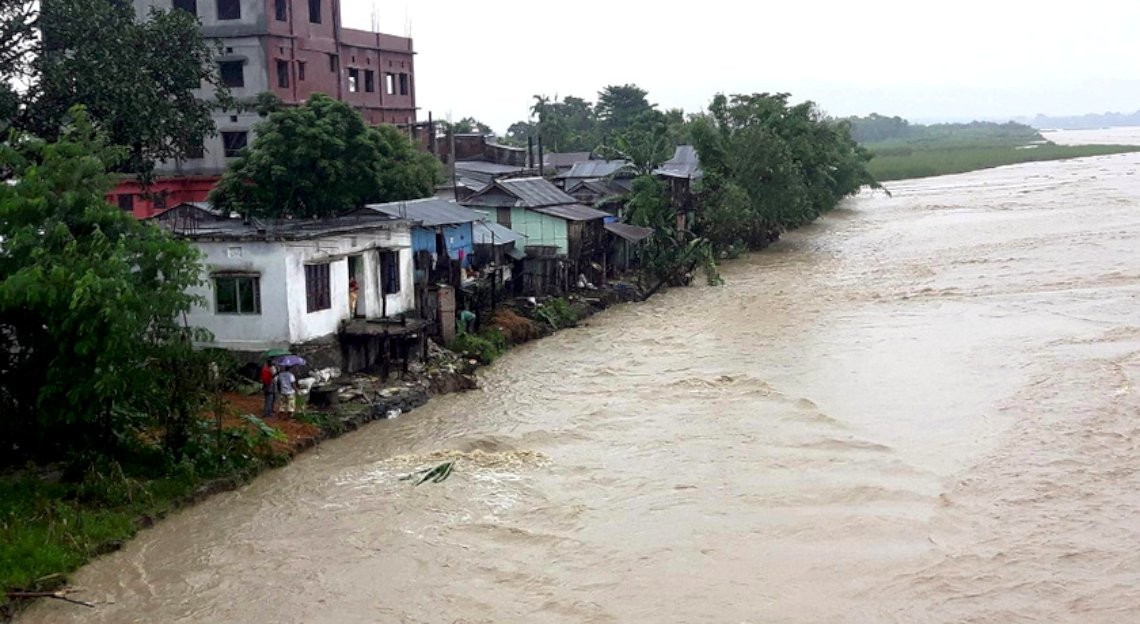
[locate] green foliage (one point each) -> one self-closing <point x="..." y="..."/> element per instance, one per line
<point x="897" y="132"/>
<point x="468" y="125"/>
<point x="485" y="346"/>
<point x="670" y="255"/>
<point x="135" y="78"/>
<point x="558" y="313"/>
<point x="932" y="161"/>
<point x="322" y="159"/>
<point x="90" y="351"/>
<point x="770" y="166"/>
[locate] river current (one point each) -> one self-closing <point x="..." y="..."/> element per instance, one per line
<point x="922" y="408"/>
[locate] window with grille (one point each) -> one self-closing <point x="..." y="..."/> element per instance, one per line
<point x="237" y="294"/>
<point x="232" y="74"/>
<point x="317" y="289"/>
<point x="283" y="74"/>
<point x="190" y="6"/>
<point x="229" y="9"/>
<point x="234" y="143"/>
<point x="281" y="10"/>
<point x="390" y="272"/>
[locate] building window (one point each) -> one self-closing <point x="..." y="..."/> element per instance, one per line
<point x="158" y="200"/>
<point x="234" y="143"/>
<point x="232" y="73"/>
<point x="369" y="80"/>
<point x="503" y="217"/>
<point x="403" y="84"/>
<point x="283" y="74"/>
<point x="190" y="6"/>
<point x="300" y="70"/>
<point x="390" y="84"/>
<point x="281" y="10"/>
<point x="390" y="272"/>
<point x="315" y="11"/>
<point x="229" y="9"/>
<point x="237" y="294"/>
<point x="333" y="63"/>
<point x="317" y="289"/>
<point x="126" y="202"/>
<point x="353" y="81"/>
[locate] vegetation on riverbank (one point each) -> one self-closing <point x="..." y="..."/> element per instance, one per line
<point x="903" y="150"/>
<point x="905" y="163"/>
<point x="51" y="523"/>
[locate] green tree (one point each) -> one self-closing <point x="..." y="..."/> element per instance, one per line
<point x="137" y="79"/>
<point x="17" y="46"/>
<point x="620" y="105"/>
<point x="468" y="125"/>
<point x="89" y="303"/>
<point x="671" y="255"/>
<point x="792" y="163"/>
<point x="322" y="159"/>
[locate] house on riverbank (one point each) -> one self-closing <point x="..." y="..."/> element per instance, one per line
<point x="278" y="284"/>
<point x="562" y="236"/>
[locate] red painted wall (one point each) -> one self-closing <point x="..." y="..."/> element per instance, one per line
<point x="163" y="193"/>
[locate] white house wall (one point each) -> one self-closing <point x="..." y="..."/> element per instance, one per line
<point x="280" y="266"/>
<point x="244" y="332"/>
<point x="305" y="325"/>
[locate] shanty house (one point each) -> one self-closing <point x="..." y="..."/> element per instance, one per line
<point x="620" y="171"/>
<point x="679" y="173"/>
<point x="439" y="228"/>
<point x="279" y="283"/>
<point x="554" y="223"/>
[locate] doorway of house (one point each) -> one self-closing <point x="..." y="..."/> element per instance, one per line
<point x="355" y="287"/>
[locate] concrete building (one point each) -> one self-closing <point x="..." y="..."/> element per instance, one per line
<point x="293" y="49"/>
<point x="274" y="285"/>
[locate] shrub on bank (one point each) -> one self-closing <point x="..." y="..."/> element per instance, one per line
<point x="485" y="346"/>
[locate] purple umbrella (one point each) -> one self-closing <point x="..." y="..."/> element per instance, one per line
<point x="289" y="360"/>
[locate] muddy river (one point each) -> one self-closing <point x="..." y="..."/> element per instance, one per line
<point x="921" y="409"/>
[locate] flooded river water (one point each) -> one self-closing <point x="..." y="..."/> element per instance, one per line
<point x="921" y="409"/>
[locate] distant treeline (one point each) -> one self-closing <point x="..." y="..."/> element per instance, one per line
<point x="876" y="128"/>
<point x="1085" y="122"/>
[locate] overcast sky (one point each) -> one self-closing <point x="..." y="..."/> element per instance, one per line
<point x="922" y="60"/>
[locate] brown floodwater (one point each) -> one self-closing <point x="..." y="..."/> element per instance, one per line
<point x="921" y="409"/>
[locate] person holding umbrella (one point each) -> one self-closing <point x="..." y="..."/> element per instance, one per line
<point x="268" y="388"/>
<point x="286" y="383"/>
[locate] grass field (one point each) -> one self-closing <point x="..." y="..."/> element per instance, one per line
<point x="897" y="160"/>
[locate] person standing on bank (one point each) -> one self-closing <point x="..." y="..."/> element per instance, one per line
<point x="287" y="388"/>
<point x="268" y="388"/>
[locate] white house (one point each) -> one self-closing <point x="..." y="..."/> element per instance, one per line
<point x="276" y="284"/>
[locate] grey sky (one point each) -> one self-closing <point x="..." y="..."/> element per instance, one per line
<point x="921" y="60"/>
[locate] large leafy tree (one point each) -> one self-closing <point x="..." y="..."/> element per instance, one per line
<point x="90" y="300"/>
<point x="322" y="159"/>
<point x="771" y="166"/>
<point x="619" y="106"/>
<point x="136" y="78"/>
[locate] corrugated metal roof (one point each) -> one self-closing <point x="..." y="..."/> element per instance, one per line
<point x="596" y="168"/>
<point x="631" y="233"/>
<point x="573" y="212"/>
<point x="535" y="192"/>
<point x="602" y="187"/>
<point x="428" y="212"/>
<point x="564" y="160"/>
<point x="490" y="233"/>
<point x="482" y="166"/>
<point x="291" y="229"/>
<point x="684" y="164"/>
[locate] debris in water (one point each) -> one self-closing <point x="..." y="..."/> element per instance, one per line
<point x="438" y="474"/>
